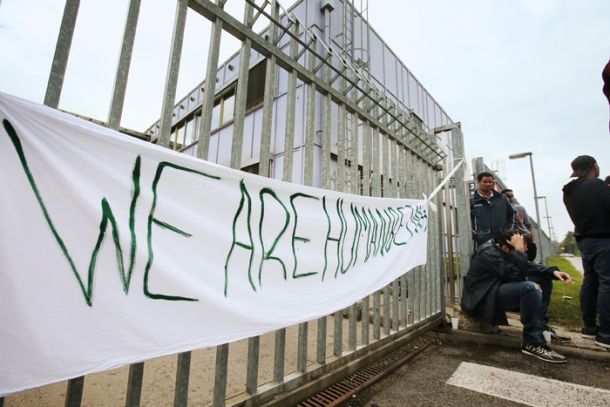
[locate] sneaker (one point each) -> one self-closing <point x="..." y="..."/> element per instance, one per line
<point x="543" y="352"/>
<point x="588" y="333"/>
<point x="604" y="343"/>
<point x="556" y="336"/>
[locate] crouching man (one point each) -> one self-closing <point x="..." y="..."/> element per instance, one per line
<point x="501" y="279"/>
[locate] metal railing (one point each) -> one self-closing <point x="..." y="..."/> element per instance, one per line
<point x="377" y="148"/>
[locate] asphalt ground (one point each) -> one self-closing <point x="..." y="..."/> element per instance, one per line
<point x="423" y="380"/>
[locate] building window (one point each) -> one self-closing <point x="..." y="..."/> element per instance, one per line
<point x="224" y="110"/>
<point x="256" y="85"/>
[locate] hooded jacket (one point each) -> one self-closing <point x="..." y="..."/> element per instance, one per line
<point x="490" y="268"/>
<point x="490" y="217"/>
<point x="588" y="203"/>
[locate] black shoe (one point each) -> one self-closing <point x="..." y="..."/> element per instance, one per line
<point x="588" y="333"/>
<point x="556" y="336"/>
<point x="544" y="353"/>
<point x="604" y="343"/>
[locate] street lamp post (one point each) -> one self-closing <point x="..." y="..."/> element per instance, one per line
<point x="523" y="155"/>
<point x="547" y="217"/>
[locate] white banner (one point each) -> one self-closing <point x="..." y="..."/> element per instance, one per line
<point x="113" y="250"/>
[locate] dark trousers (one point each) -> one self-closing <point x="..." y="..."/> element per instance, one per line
<point x="531" y="302"/>
<point x="595" y="290"/>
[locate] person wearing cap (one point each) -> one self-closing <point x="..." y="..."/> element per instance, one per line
<point x="501" y="279"/>
<point x="491" y="213"/>
<point x="587" y="200"/>
<point x="522" y="223"/>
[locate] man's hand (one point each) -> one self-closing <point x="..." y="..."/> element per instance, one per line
<point x="518" y="242"/>
<point x="565" y="277"/>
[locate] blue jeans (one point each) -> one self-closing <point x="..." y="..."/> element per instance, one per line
<point x="595" y="290"/>
<point x="525" y="297"/>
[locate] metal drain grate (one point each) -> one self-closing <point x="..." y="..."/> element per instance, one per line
<point x="341" y="391"/>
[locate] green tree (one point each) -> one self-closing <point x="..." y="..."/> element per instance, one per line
<point x="568" y="244"/>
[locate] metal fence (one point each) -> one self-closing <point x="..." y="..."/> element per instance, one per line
<point x="367" y="142"/>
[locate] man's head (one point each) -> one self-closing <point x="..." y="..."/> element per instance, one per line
<point x="511" y="240"/>
<point x="584" y="166"/>
<point x="508" y="193"/>
<point x="607" y="180"/>
<point x="485" y="182"/>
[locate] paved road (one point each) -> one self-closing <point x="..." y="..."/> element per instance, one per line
<point x="576" y="262"/>
<point x="424" y="380"/>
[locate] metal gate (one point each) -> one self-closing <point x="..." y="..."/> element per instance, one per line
<point x="341" y="129"/>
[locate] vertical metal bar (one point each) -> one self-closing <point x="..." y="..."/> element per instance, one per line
<point x="376" y="315"/>
<point x="269" y="97"/>
<point x="241" y="93"/>
<point x="386" y="193"/>
<point x="395" y="161"/>
<point x="209" y="90"/>
<point x="302" y="348"/>
<point x="321" y="343"/>
<point x="462" y="198"/>
<point x="263" y="170"/>
<point x="432" y="244"/>
<point x="122" y="72"/>
<point x="290" y="111"/>
<point x="338" y="333"/>
<point x="252" y="369"/>
<point x="376" y="178"/>
<point x="353" y="326"/>
<point x="62" y="52"/>
<point x="386" y="310"/>
<point x="340" y="181"/>
<point x="326" y="142"/>
<point x="404" y="320"/>
<point x="220" y="376"/>
<point x="326" y="110"/>
<point x="182" y="379"/>
<point x="450" y="254"/>
<point x="353" y="156"/>
<point x="441" y="277"/>
<point x="355" y="189"/>
<point x="173" y="67"/>
<point x="134" y="384"/>
<point x="366" y="306"/>
<point x="279" y="355"/>
<point x="366" y="190"/>
<point x="395" y="303"/>
<point x="310" y="123"/>
<point x="410" y="192"/>
<point x="412" y="293"/>
<point x="74" y="393"/>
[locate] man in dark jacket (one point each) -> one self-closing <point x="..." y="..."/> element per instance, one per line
<point x="587" y="199"/>
<point x="491" y="212"/>
<point x="501" y="279"/>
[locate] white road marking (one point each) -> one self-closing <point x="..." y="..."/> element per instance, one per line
<point x="526" y="389"/>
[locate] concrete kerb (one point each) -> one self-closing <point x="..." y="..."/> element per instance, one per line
<point x="510" y="337"/>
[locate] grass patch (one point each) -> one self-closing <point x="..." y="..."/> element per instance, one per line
<point x="565" y="312"/>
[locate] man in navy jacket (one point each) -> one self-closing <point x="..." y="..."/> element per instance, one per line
<point x="491" y="212"/>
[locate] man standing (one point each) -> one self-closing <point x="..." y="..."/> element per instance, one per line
<point x="491" y="212"/>
<point x="587" y="199"/>
<point x="522" y="224"/>
<point x="501" y="279"/>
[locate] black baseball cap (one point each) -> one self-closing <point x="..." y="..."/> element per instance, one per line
<point x="581" y="165"/>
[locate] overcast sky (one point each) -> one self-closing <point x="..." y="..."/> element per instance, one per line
<point x="520" y="75"/>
